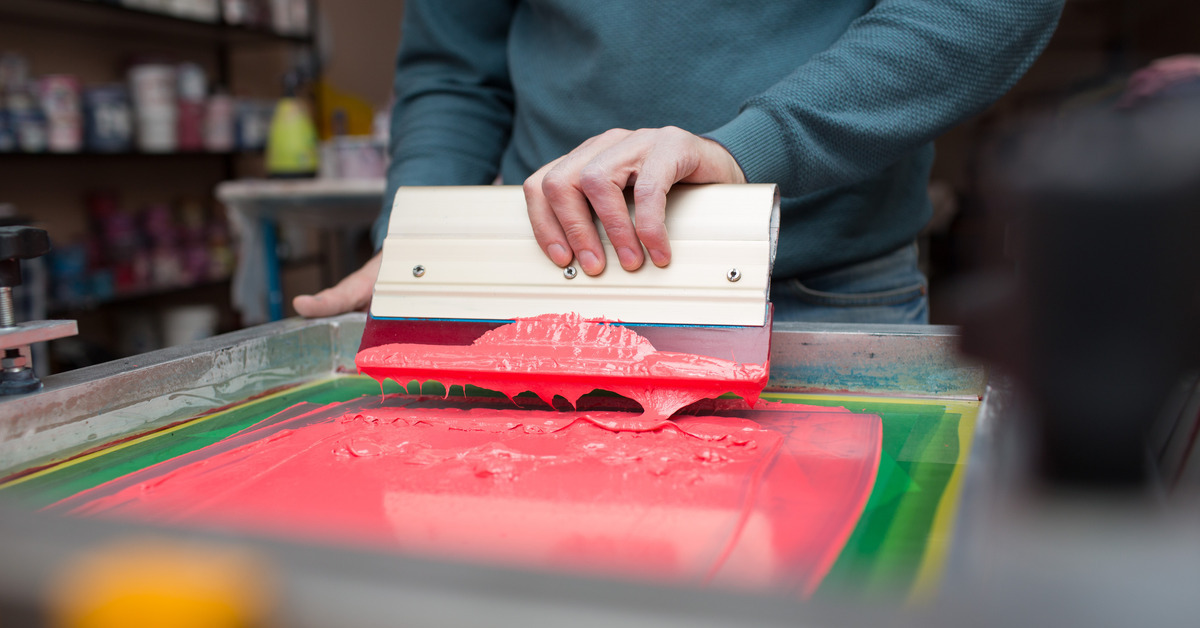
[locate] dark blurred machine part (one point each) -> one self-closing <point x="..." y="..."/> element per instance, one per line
<point x="31" y="297"/>
<point x="1100" y="322"/>
<point x="17" y="376"/>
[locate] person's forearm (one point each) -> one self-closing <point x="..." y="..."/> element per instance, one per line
<point x="453" y="111"/>
<point x="903" y="74"/>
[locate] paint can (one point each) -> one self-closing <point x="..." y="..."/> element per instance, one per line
<point x="108" y="119"/>
<point x="58" y="95"/>
<point x="153" y="86"/>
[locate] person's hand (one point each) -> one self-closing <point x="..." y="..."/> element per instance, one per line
<point x="598" y="171"/>
<point x="350" y="294"/>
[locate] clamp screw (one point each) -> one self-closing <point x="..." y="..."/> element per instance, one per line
<point x="8" y="316"/>
<point x="733" y="274"/>
<point x="570" y="272"/>
<point x="418" y="270"/>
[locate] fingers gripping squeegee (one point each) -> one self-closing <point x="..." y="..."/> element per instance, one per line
<point x="466" y="296"/>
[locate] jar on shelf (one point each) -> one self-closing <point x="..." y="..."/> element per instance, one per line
<point x="153" y="87"/>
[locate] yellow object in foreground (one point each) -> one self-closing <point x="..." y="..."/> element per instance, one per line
<point x="148" y="582"/>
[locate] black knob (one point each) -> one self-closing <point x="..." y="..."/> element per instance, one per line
<point x="23" y="242"/>
<point x="18" y="243"/>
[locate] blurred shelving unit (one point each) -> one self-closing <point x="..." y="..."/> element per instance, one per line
<point x="119" y="19"/>
<point x="94" y="40"/>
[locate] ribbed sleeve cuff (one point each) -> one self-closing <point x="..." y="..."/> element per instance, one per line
<point x="757" y="143"/>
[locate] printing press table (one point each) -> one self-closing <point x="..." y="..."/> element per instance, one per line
<point x="929" y="535"/>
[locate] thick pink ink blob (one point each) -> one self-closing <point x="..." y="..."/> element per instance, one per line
<point x="762" y="499"/>
<point x="564" y="354"/>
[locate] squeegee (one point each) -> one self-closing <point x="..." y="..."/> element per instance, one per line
<point x="466" y="296"/>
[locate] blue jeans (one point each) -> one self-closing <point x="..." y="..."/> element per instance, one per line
<point x="888" y="289"/>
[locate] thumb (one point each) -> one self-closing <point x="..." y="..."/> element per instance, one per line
<point x="350" y="294"/>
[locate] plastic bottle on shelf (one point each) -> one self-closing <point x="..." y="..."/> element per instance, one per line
<point x="27" y="120"/>
<point x="27" y="129"/>
<point x="8" y="133"/>
<point x="219" y="123"/>
<point x="59" y="96"/>
<point x="192" y="89"/>
<point x="252" y="120"/>
<point x="15" y="100"/>
<point x="292" y="144"/>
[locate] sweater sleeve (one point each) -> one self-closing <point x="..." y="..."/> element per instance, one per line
<point x="901" y="75"/>
<point x="453" y="99"/>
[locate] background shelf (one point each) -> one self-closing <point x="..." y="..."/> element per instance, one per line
<point x="116" y="20"/>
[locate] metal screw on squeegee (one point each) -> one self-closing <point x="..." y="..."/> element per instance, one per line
<point x="733" y="274"/>
<point x="569" y="272"/>
<point x="418" y="270"/>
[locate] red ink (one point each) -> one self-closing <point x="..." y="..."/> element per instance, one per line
<point x="563" y="354"/>
<point x="761" y="499"/>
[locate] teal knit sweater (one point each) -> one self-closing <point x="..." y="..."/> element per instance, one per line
<point x="837" y="101"/>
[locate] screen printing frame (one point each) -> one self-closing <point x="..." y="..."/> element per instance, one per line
<point x="1010" y="562"/>
<point x="90" y="409"/>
